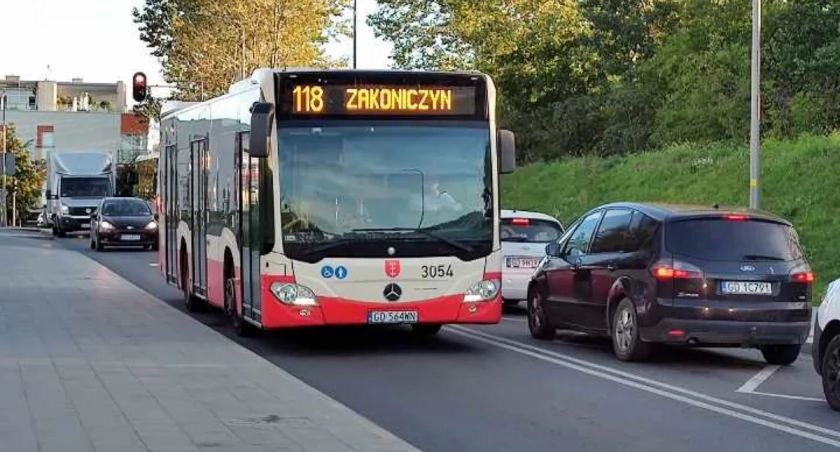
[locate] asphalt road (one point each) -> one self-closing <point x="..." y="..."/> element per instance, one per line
<point x="494" y="388"/>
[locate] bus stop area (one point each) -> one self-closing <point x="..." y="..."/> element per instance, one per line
<point x="90" y="362"/>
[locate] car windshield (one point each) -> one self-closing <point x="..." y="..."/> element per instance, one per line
<point x="80" y="187"/>
<point x="529" y="230"/>
<point x="716" y="239"/>
<point x="426" y="188"/>
<point x="126" y="208"/>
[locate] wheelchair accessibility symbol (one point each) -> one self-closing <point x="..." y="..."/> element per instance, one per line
<point x="327" y="271"/>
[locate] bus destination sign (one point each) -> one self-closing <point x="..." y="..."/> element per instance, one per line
<point x="382" y="100"/>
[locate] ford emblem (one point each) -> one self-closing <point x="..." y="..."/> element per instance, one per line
<point x="747" y="268"/>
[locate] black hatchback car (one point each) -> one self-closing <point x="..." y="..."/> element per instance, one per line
<point x="123" y="222"/>
<point x="690" y="275"/>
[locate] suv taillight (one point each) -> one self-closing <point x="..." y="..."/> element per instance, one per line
<point x="667" y="269"/>
<point x="802" y="274"/>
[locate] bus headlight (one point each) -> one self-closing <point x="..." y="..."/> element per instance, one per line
<point x="293" y="294"/>
<point x="486" y="290"/>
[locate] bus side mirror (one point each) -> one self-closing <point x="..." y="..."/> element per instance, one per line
<point x="262" y="116"/>
<point x="49" y="194"/>
<point x="507" y="151"/>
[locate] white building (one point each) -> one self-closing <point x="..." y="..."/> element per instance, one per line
<point x="73" y="116"/>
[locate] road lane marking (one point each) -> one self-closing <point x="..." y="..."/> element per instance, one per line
<point x="649" y="385"/>
<point x="791" y="397"/>
<point x="758" y="379"/>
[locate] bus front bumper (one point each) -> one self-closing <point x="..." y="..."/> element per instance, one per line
<point x="339" y="311"/>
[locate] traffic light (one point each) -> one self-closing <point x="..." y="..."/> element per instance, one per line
<point x="138" y="87"/>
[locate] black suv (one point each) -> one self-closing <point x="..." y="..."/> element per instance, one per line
<point x="691" y="275"/>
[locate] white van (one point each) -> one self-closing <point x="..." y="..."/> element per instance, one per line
<point x="524" y="236"/>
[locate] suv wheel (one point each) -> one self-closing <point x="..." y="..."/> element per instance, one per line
<point x="780" y="355"/>
<point x="831" y="373"/>
<point x="627" y="344"/>
<point x="538" y="321"/>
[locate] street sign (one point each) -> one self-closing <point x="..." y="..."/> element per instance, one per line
<point x="9" y="159"/>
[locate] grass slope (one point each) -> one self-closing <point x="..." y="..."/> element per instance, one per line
<point x="801" y="182"/>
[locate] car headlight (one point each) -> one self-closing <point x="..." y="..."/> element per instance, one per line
<point x="65" y="210"/>
<point x="293" y="294"/>
<point x="151" y="226"/>
<point x="105" y="226"/>
<point x="485" y="290"/>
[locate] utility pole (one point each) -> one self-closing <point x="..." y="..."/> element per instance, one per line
<point x="755" y="114"/>
<point x="354" y="34"/>
<point x="3" y="191"/>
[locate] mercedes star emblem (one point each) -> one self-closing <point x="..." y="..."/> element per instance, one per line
<point x="391" y="250"/>
<point x="87" y="210"/>
<point x="392" y="292"/>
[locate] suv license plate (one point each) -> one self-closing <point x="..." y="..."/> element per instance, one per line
<point x="130" y="237"/>
<point x="393" y="317"/>
<point x="746" y="288"/>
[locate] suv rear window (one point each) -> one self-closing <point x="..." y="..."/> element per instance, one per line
<point x="718" y="239"/>
<point x="529" y="230"/>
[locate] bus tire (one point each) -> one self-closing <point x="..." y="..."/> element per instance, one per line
<point x="191" y="302"/>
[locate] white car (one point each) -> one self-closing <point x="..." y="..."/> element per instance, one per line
<point x="826" y="346"/>
<point x="524" y="237"/>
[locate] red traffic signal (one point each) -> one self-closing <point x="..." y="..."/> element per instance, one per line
<point x="138" y="87"/>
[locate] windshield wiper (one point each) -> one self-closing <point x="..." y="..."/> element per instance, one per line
<point x="760" y="257"/>
<point x="424" y="231"/>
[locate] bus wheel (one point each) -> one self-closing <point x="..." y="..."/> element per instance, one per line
<point x="240" y="326"/>
<point x="191" y="302"/>
<point x="425" y="329"/>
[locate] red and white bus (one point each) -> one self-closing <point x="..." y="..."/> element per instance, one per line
<point x="337" y="197"/>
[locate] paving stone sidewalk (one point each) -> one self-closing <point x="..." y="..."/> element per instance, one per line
<point x="89" y="362"/>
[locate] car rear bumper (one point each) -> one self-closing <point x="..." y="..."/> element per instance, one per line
<point x="716" y="323"/>
<point x="726" y="333"/>
<point x="515" y="284"/>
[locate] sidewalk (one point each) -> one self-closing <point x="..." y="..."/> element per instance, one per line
<point x="89" y="362"/>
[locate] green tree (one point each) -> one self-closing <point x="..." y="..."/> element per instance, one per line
<point x="29" y="174"/>
<point x="200" y="42"/>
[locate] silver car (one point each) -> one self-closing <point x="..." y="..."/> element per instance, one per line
<point x="524" y="236"/>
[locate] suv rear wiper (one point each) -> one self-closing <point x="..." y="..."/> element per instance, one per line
<point x="760" y="257"/>
<point x="424" y="231"/>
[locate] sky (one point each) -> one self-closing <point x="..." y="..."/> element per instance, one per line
<point x="96" y="40"/>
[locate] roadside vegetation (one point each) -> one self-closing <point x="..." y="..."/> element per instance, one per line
<point x="800" y="179"/>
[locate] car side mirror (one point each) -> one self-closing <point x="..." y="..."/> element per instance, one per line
<point x="552" y="249"/>
<point x="262" y="116"/>
<point x="507" y="151"/>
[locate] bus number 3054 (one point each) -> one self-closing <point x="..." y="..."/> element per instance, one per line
<point x="437" y="271"/>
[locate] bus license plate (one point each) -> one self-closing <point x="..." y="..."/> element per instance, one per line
<point x="746" y="288"/>
<point x="393" y="317"/>
<point x="130" y="237"/>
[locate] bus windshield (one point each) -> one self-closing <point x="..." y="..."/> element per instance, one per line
<point x="422" y="190"/>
